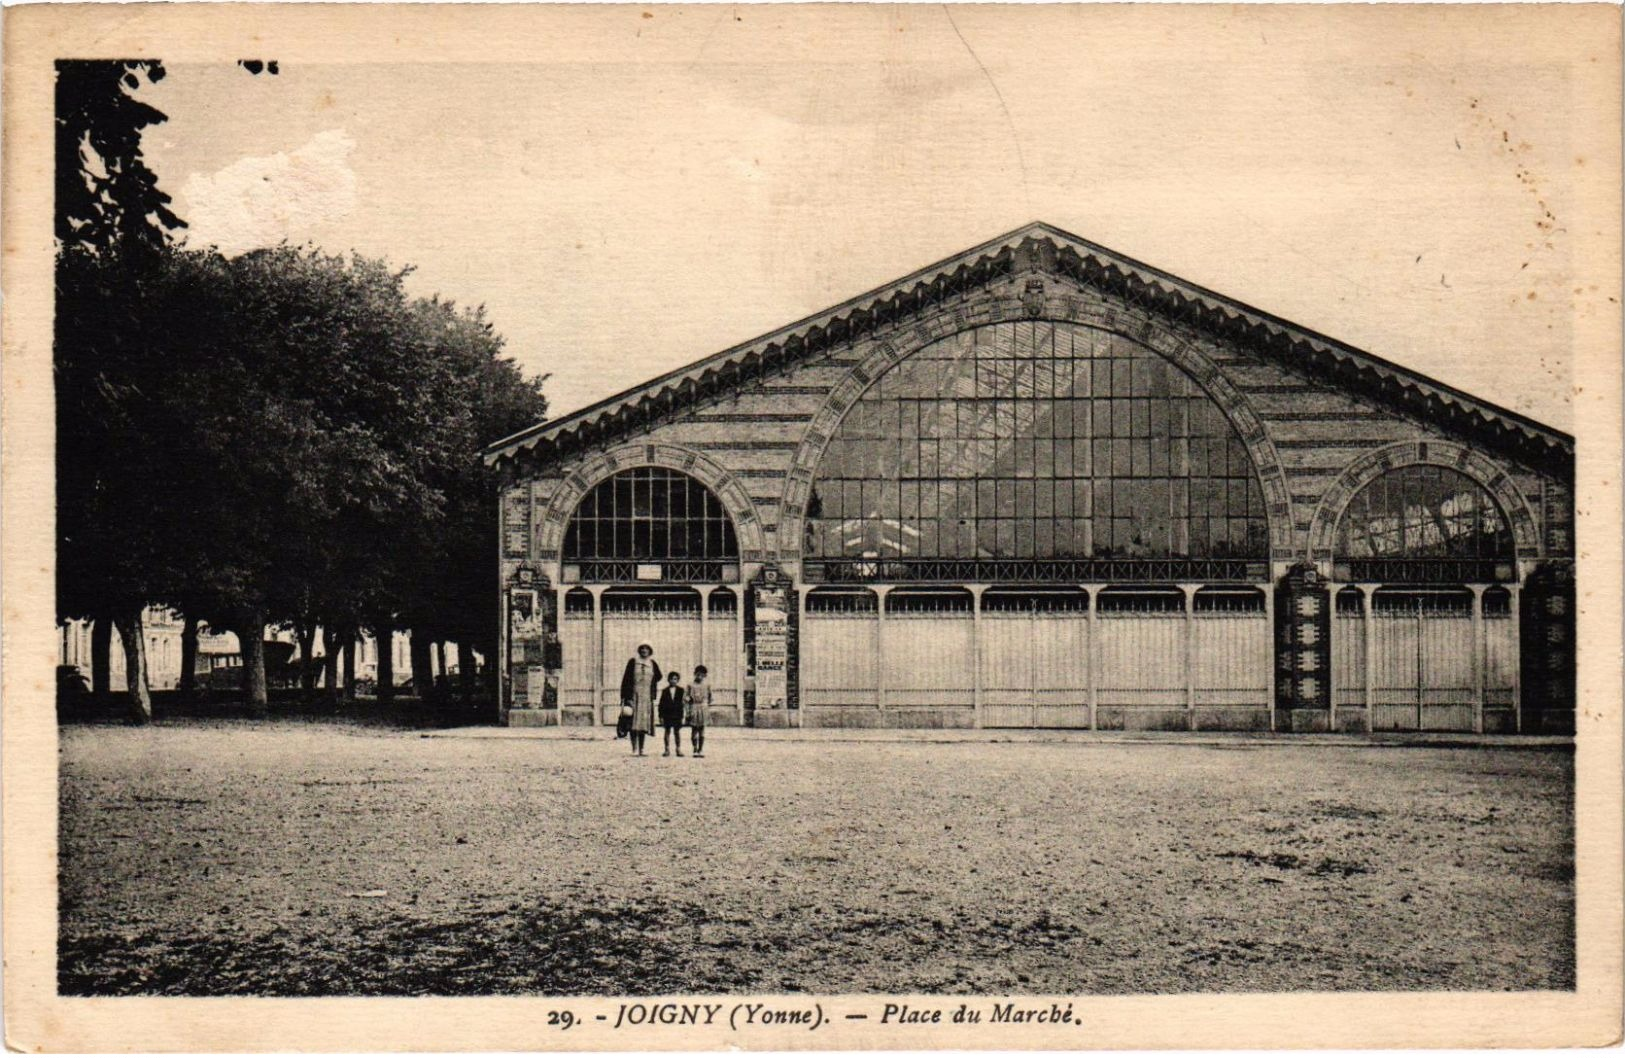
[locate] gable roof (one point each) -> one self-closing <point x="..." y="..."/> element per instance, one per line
<point x="1045" y="246"/>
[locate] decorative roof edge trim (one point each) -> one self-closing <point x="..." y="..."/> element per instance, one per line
<point x="986" y="254"/>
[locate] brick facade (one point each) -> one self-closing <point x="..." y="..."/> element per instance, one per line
<point x="1317" y="424"/>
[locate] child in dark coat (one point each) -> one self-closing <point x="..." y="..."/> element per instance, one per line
<point x="672" y="701"/>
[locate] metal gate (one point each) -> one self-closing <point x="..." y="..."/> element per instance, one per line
<point x="1422" y="661"/>
<point x="1348" y="650"/>
<point x="1500" y="662"/>
<point x="1230" y="657"/>
<point x="918" y="654"/>
<point x="840" y="648"/>
<point x="1034" y="659"/>
<point x="928" y="649"/>
<point x="669" y="621"/>
<point x="722" y="656"/>
<point x="1143" y="681"/>
<point x="597" y="648"/>
<point x="579" y="635"/>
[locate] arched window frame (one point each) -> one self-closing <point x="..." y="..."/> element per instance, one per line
<point x="1031" y="554"/>
<point x="1408" y="564"/>
<point x="649" y="522"/>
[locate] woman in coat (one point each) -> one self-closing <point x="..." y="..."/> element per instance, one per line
<point x="639" y="685"/>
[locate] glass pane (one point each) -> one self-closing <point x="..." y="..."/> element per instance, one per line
<point x="1424" y="512"/>
<point x="996" y="396"/>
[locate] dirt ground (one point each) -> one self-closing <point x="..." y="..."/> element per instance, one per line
<point x="317" y="859"/>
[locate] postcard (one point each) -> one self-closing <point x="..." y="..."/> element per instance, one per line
<point x="691" y="527"/>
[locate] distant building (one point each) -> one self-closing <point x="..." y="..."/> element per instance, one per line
<point x="1039" y="484"/>
<point x="162" y="630"/>
<point x="219" y="653"/>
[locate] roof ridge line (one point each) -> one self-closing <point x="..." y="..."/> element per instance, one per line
<point x="1060" y="239"/>
<point x="834" y="310"/>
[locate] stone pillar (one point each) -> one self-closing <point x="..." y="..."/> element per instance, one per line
<point x="1480" y="656"/>
<point x="1514" y="609"/>
<point x="1368" y="618"/>
<point x="976" y="591"/>
<point x="1190" y="654"/>
<point x="528" y="608"/>
<point x="1092" y="660"/>
<point x="792" y="661"/>
<point x="1302" y="649"/>
<point x="771" y="633"/>
<point x="881" y="591"/>
<point x="597" y="659"/>
<point x="552" y="645"/>
<point x="1547" y="648"/>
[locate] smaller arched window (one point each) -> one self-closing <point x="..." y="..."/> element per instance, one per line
<point x="841" y="601"/>
<point x="1035" y="600"/>
<point x="652" y="601"/>
<point x="651" y="515"/>
<point x="578" y="603"/>
<point x="1351" y="603"/>
<point x="722" y="602"/>
<point x="1423" y="523"/>
<point x="1229" y="601"/>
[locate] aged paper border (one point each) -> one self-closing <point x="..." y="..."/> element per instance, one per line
<point x="1587" y="38"/>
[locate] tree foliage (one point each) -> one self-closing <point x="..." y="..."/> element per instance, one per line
<point x="323" y="446"/>
<point x="112" y="222"/>
<point x="284" y="437"/>
<point x="105" y="194"/>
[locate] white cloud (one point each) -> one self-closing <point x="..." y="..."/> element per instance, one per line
<point x="260" y="201"/>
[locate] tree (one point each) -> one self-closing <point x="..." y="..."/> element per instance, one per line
<point x="452" y="596"/>
<point x="329" y="448"/>
<point x="111" y="470"/>
<point x="105" y="194"/>
<point x="281" y="438"/>
<point x="113" y="228"/>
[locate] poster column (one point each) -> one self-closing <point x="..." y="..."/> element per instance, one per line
<point x="771" y="636"/>
<point x="533" y="642"/>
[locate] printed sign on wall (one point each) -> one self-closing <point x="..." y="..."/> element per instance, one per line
<point x="772" y="648"/>
<point x="516" y="523"/>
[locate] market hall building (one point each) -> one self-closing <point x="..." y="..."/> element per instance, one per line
<point x="1040" y="485"/>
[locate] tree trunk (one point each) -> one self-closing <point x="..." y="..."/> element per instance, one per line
<point x="440" y="662"/>
<point x="306" y="635"/>
<point x="351" y="644"/>
<point x="465" y="672"/>
<point x="492" y="685"/>
<point x="330" y="663"/>
<point x="133" y="635"/>
<point x="251" y="641"/>
<point x="188" y="684"/>
<point x="101" y="657"/>
<point x="422" y="666"/>
<point x="383" y="639"/>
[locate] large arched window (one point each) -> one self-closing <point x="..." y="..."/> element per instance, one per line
<point x="1035" y="441"/>
<point x="1423" y="523"/>
<point x="650" y="515"/>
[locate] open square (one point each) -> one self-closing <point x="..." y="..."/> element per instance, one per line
<point x="291" y="858"/>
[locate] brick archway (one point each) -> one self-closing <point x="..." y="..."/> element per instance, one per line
<point x="732" y="495"/>
<point x="1447" y="454"/>
<point x="1049" y="306"/>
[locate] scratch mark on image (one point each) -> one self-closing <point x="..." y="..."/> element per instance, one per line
<point x="1021" y="158"/>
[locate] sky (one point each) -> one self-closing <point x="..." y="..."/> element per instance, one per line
<point x="623" y="215"/>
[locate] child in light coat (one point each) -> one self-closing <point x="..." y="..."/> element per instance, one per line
<point x="699" y="698"/>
